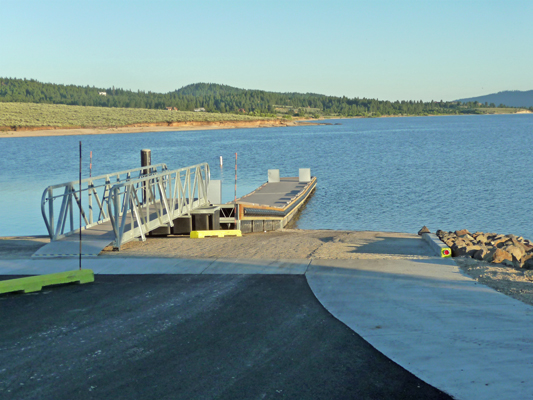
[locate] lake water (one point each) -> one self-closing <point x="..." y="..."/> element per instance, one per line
<point x="385" y="174"/>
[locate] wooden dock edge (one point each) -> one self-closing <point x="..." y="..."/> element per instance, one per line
<point x="264" y="224"/>
<point x="35" y="283"/>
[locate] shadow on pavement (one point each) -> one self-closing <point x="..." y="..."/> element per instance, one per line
<point x="189" y="337"/>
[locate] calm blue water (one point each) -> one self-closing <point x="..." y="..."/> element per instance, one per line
<point x="388" y="174"/>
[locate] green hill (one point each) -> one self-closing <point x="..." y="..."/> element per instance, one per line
<point x="511" y="98"/>
<point x="223" y="99"/>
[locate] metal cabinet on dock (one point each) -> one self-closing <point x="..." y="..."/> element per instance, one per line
<point x="206" y="218"/>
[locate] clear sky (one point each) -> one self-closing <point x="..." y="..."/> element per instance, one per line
<point x="389" y="50"/>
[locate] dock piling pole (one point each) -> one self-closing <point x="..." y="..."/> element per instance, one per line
<point x="146" y="160"/>
<point x="235" y="178"/>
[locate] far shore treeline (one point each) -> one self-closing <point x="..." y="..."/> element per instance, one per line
<point x="227" y="99"/>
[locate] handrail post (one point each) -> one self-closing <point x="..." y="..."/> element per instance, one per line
<point x="89" y="192"/>
<point x="71" y="208"/>
<point x="51" y="213"/>
<point x="117" y="215"/>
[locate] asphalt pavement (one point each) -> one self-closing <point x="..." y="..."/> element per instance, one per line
<point x="189" y="337"/>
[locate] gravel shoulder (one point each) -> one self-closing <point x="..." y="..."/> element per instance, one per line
<point x="284" y="244"/>
<point x="514" y="282"/>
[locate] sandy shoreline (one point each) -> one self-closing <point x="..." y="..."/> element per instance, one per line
<point x="181" y="126"/>
<point x="154" y="127"/>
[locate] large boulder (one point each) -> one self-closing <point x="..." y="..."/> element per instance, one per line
<point x="516" y="251"/>
<point x="473" y="249"/>
<point x="468" y="238"/>
<point x="500" y="241"/>
<point x="484" y="254"/>
<point x="500" y="255"/>
<point x="424" y="230"/>
<point x="521" y="244"/>
<point x="481" y="238"/>
<point x="462" y="232"/>
<point x="449" y="242"/>
<point x="459" y="250"/>
<point x="527" y="261"/>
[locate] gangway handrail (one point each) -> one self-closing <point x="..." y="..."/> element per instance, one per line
<point x="169" y="194"/>
<point x="56" y="229"/>
<point x="94" y="178"/>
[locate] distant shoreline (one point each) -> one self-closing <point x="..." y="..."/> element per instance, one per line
<point x="150" y="127"/>
<point x="192" y="126"/>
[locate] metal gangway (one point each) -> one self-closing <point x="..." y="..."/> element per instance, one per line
<point x="119" y="207"/>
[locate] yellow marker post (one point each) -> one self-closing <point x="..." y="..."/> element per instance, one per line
<point x="36" y="283"/>
<point x="219" y="233"/>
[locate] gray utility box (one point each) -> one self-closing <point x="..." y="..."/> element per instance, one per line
<point x="161" y="231"/>
<point x="304" y="175"/>
<point x="273" y="175"/>
<point x="214" y="192"/>
<point x="206" y="218"/>
<point x="182" y="225"/>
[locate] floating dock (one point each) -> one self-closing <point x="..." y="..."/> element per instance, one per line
<point x="116" y="208"/>
<point x="274" y="204"/>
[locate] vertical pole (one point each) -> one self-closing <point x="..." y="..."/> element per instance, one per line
<point x="146" y="160"/>
<point x="235" y="178"/>
<point x="90" y="183"/>
<point x="80" y="204"/>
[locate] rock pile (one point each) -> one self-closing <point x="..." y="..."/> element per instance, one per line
<point x="509" y="250"/>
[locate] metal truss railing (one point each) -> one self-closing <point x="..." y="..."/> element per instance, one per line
<point x="138" y="206"/>
<point x="59" y="201"/>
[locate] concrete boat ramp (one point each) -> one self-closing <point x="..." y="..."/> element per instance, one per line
<point x="461" y="337"/>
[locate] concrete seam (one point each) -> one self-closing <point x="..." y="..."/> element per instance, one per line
<point x="210" y="264"/>
<point x="307" y="267"/>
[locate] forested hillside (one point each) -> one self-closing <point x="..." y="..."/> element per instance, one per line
<point x="222" y="98"/>
<point x="511" y="98"/>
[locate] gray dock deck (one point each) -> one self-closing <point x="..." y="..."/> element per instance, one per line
<point x="276" y="194"/>
<point x="273" y="205"/>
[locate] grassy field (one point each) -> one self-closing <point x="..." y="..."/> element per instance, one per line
<point x="62" y="116"/>
<point x="497" y="110"/>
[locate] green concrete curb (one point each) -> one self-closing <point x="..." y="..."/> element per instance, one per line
<point x="36" y="283"/>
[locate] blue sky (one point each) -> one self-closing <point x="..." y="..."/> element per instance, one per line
<point x="390" y="50"/>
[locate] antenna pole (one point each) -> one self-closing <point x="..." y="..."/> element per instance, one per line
<point x="80" y="204"/>
<point x="235" y="178"/>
